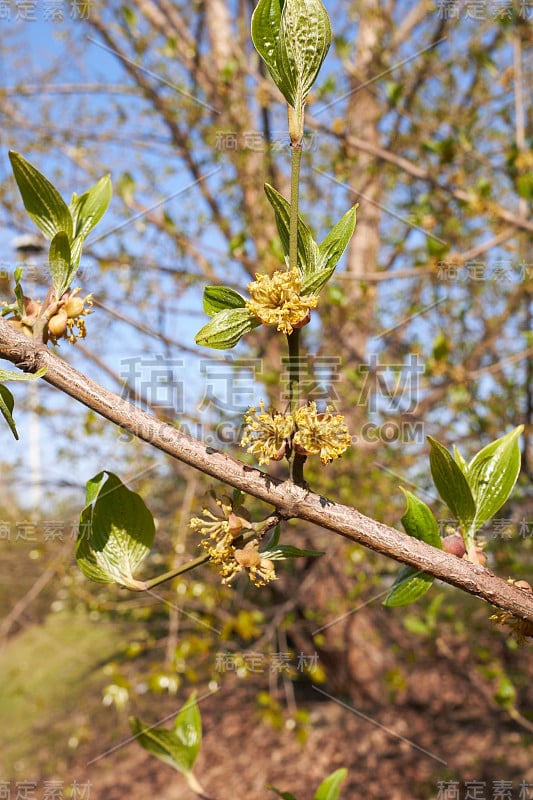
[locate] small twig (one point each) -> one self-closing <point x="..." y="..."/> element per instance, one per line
<point x="173" y="573"/>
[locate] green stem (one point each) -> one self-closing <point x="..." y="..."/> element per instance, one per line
<point x="293" y="340"/>
<point x="296" y="134"/>
<point x="167" y="576"/>
<point x="298" y="460"/>
<point x="248" y="536"/>
<point x="296" y="158"/>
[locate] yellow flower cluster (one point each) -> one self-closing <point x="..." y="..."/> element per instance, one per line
<point x="220" y="531"/>
<point x="519" y="628"/>
<point x="267" y="433"/>
<point x="54" y="319"/>
<point x="324" y="434"/>
<point x="77" y="308"/>
<point x="277" y="300"/>
<point x="68" y="320"/>
<point x="270" y="435"/>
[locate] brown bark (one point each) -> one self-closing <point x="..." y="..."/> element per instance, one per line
<point x="363" y="114"/>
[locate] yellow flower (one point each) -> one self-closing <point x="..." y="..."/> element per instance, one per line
<point x="218" y="539"/>
<point x="277" y="300"/>
<point x="519" y="628"/>
<point x="266" y="433"/>
<point x="220" y="530"/>
<point x="323" y="434"/>
<point x="260" y="570"/>
<point x="68" y="321"/>
<point x="76" y="310"/>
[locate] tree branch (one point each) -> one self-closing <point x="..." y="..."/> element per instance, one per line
<point x="290" y="500"/>
<point x="415" y="171"/>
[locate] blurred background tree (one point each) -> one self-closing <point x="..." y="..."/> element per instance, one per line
<point x="421" y="116"/>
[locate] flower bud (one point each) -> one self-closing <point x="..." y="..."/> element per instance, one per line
<point x="31" y="307"/>
<point x="247" y="558"/>
<point x="235" y="524"/>
<point x="476" y="555"/>
<point x="74" y="306"/>
<point x="57" y="325"/>
<point x="454" y="544"/>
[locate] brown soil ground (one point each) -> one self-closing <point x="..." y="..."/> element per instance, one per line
<point x="442" y="730"/>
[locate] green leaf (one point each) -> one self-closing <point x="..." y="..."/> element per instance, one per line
<point x="159" y="743"/>
<point x="419" y="521"/>
<point x="337" y="240"/>
<point x="59" y="259"/>
<point x="492" y="474"/>
<point x="19" y="294"/>
<point x="88" y="562"/>
<point x="178" y="747"/>
<point x="308" y="251"/>
<point x="316" y="281"/>
<point x="410" y="583"/>
<point x="115" y="534"/>
<point x="329" y="253"/>
<point x="292" y="38"/>
<point x="460" y="461"/>
<point x="452" y="484"/>
<point x="266" y="23"/>
<point x="7" y="404"/>
<point x="505" y="694"/>
<point x="226" y="328"/>
<point x="330" y="787"/>
<point x="188" y="729"/>
<point x="237" y="498"/>
<point x="87" y="210"/>
<point x="219" y="298"/>
<point x="283" y="795"/>
<point x="92" y="488"/>
<point x="42" y="201"/>
<point x="7" y="375"/>
<point x="305" y="37"/>
<point x="274" y="539"/>
<point x="281" y="552"/>
<point x="436" y="249"/>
